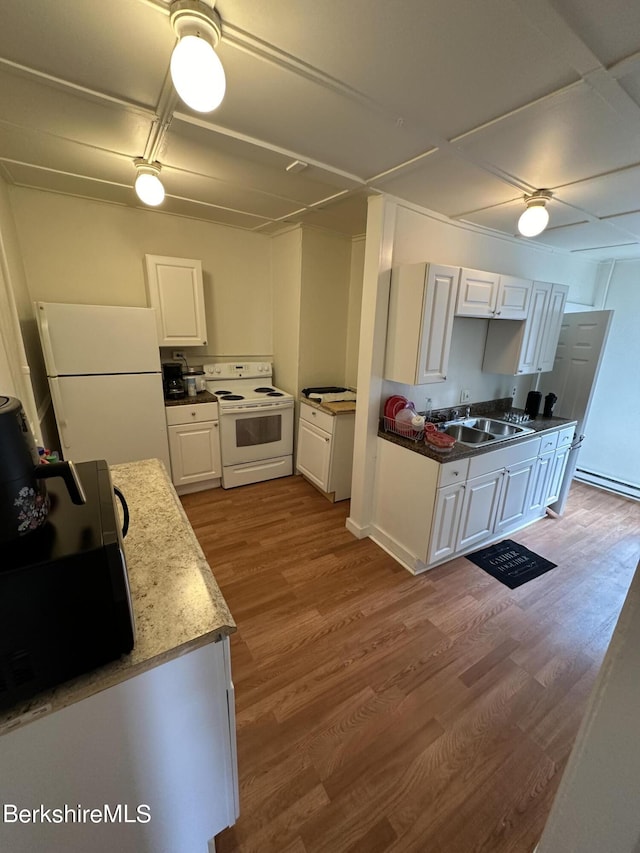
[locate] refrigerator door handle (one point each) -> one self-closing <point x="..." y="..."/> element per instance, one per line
<point x="45" y="339"/>
<point x="58" y="408"/>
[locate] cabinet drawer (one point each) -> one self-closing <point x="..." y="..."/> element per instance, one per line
<point x="453" y="472"/>
<point x="194" y="414"/>
<point x="565" y="436"/>
<point x="548" y="441"/>
<point x="494" y="460"/>
<point x="318" y="418"/>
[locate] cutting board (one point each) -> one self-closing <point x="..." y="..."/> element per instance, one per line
<point x="342" y="406"/>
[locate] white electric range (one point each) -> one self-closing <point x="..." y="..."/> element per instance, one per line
<point x="256" y="422"/>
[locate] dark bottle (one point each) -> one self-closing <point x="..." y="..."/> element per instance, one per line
<point x="549" y="403"/>
<point x="532" y="407"/>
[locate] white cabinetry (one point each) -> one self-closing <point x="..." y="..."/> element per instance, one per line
<point x="514" y="505"/>
<point x="421" y="307"/>
<point x="175" y="289"/>
<point x="325" y="450"/>
<point x="479" y="509"/>
<point x="513" y="299"/>
<point x="194" y="446"/>
<point x="515" y="347"/>
<point x="477" y="293"/>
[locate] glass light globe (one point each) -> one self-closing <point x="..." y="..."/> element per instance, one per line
<point x="533" y="221"/>
<point x="149" y="189"/>
<point x="197" y="74"/>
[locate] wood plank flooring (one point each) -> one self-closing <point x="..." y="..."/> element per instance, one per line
<point x="377" y="711"/>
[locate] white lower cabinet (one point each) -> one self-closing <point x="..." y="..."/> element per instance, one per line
<point x="325" y="450"/>
<point x="426" y="512"/>
<point x="194" y="446"/>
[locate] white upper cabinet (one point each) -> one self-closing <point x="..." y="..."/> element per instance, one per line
<point x="422" y="301"/>
<point x="175" y="290"/>
<point x="513" y="298"/>
<point x="519" y="347"/>
<point x="477" y="293"/>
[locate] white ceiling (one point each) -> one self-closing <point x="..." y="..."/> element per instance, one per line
<point x="461" y="107"/>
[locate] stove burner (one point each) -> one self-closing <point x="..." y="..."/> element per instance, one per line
<point x="233" y="397"/>
<point x="222" y="392"/>
<point x="263" y="390"/>
<point x="275" y="394"/>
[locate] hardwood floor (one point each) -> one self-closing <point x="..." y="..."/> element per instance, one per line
<point x="377" y="711"/>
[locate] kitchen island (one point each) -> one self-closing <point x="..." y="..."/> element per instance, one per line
<point x="149" y="738"/>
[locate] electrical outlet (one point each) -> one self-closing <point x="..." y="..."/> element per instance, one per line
<point x="465" y="396"/>
<point x="177" y="353"/>
<point x="514" y="391"/>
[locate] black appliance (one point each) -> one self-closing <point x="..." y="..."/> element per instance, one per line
<point x="549" y="402"/>
<point x="24" y="498"/>
<point x="172" y="380"/>
<point x="65" y="606"/>
<point x="532" y="406"/>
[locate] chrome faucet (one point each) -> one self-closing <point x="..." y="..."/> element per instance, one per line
<point x="468" y="412"/>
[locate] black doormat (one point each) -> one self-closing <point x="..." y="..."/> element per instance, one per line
<point x="511" y="563"/>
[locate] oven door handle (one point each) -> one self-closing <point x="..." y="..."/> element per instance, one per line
<point x="254" y="410"/>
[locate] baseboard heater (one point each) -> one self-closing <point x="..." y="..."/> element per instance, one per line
<point x="628" y="490"/>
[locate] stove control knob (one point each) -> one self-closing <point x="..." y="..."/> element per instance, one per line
<point x="217" y="370"/>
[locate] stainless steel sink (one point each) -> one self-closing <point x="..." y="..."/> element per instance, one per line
<point x="468" y="435"/>
<point x="474" y="431"/>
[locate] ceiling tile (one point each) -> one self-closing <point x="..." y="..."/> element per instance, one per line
<point x="413" y="58"/>
<point x="66" y="39"/>
<point x="629" y="222"/>
<point x="210" y="213"/>
<point x="504" y="217"/>
<point x="607" y="194"/>
<point x="445" y="183"/>
<point x="564" y="138"/>
<point x="609" y="29"/>
<point x="581" y="236"/>
<point x="27" y="176"/>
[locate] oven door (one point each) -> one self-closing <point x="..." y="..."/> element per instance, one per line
<point x="252" y="434"/>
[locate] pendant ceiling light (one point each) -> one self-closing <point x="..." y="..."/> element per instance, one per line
<point x="536" y="217"/>
<point x="148" y="185"/>
<point x="196" y="70"/>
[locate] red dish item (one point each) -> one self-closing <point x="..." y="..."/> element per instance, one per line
<point x="439" y="440"/>
<point x="393" y="406"/>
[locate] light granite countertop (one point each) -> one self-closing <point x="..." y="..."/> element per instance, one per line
<point x="339" y="408"/>
<point x="177" y="603"/>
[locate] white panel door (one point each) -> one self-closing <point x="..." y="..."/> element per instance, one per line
<point x="513" y="508"/>
<point x="314" y="454"/>
<point x="477" y="293"/>
<point x="117" y="418"/>
<point x="479" y="509"/>
<point x="195" y="452"/>
<point x="446" y="519"/>
<point x="175" y="289"/>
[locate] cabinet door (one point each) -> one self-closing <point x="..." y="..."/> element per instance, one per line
<point x="422" y="300"/>
<point x="540" y="484"/>
<point x="175" y="290"/>
<point x="534" y="324"/>
<point x="557" y="473"/>
<point x="513" y="299"/>
<point x="551" y="327"/>
<point x="479" y="508"/>
<point x="195" y="452"/>
<point x="477" y="293"/>
<point x="446" y="520"/>
<point x="513" y="508"/>
<point x="314" y="454"/>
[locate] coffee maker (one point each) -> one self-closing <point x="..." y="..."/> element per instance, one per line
<point x="172" y="380"/>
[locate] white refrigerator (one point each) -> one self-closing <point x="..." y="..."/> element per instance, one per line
<point x="103" y="365"/>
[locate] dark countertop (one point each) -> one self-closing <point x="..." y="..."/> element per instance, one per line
<point x="463" y="451"/>
<point x="202" y="397"/>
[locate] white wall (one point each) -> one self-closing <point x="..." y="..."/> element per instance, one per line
<point x="610" y="451"/>
<point x="286" y="271"/>
<point x="355" y="307"/>
<point x="75" y="250"/>
<point x="398" y="233"/>
<point x="324" y="307"/>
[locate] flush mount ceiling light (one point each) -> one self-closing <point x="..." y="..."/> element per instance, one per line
<point x="148" y="185"/>
<point x="196" y="70"/>
<point x="536" y="217"/>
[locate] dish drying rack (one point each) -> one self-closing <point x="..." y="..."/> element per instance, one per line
<point x="403" y="430"/>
